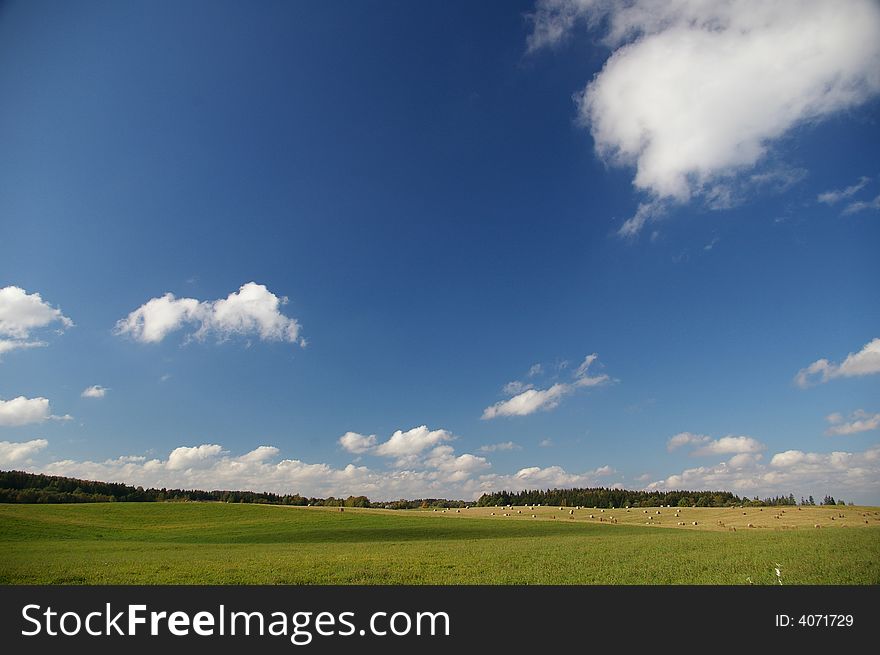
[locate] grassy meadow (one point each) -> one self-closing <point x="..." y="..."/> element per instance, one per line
<point x="218" y="543"/>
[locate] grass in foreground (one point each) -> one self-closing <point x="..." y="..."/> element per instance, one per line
<point x="213" y="543"/>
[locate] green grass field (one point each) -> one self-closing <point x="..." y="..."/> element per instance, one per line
<point x="213" y="543"/>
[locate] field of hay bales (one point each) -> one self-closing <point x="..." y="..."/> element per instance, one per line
<point x="218" y="543"/>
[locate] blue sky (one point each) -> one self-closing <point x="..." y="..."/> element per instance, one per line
<point x="452" y="197"/>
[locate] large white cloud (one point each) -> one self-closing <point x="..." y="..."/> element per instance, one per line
<point x="859" y="421"/>
<point x="22" y="313"/>
<point x="412" y="442"/>
<point x="864" y="362"/>
<point x="697" y="92"/>
<point x="14" y="453"/>
<point x="189" y="457"/>
<point x="253" y="310"/>
<point x="532" y="400"/>
<point x="22" y="411"/>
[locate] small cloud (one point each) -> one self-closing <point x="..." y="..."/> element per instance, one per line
<point x="711" y="244"/>
<point x="536" y="369"/>
<point x="860" y="206"/>
<point x="94" y="391"/>
<point x="357" y="443"/>
<point x="835" y="196"/>
<point x="859" y="421"/>
<point x="704" y="445"/>
<point x="729" y="445"/>
<point x="515" y="387"/>
<point x="546" y="443"/>
<point x="499" y="447"/>
<point x="684" y="439"/>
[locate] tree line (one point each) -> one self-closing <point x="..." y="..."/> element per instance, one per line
<point x="22" y="487"/>
<point x="610" y="498"/>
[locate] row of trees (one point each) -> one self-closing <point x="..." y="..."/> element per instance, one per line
<point x="21" y="487"/>
<point x="606" y="497"/>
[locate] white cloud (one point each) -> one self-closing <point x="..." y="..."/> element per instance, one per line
<point x="22" y="313"/>
<point x="193" y="457"/>
<point x="695" y="93"/>
<point x="833" y="197"/>
<point x="23" y="411"/>
<point x="546" y="443"/>
<point x="684" y="439"/>
<point x="729" y="445"/>
<point x="12" y="453"/>
<point x="860" y="421"/>
<point x="357" y="443"/>
<point x="418" y="449"/>
<point x="793" y="471"/>
<point x="535" y="369"/>
<point x="406" y="445"/>
<point x="861" y="205"/>
<point x="532" y="400"/>
<point x="704" y="445"/>
<point x="8" y="345"/>
<point x="499" y="447"/>
<point x="529" y="402"/>
<point x="516" y="387"/>
<point x="209" y="466"/>
<point x="864" y="362"/>
<point x="94" y="391"/>
<point x="440" y="473"/>
<point x="252" y="310"/>
<point x="743" y="460"/>
<point x="536" y="477"/>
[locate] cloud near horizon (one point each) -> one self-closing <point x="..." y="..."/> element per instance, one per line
<point x="441" y="475"/>
<point x="437" y="473"/>
<point x="792" y="471"/>
<point x="695" y="94"/>
<point x="253" y="310"/>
